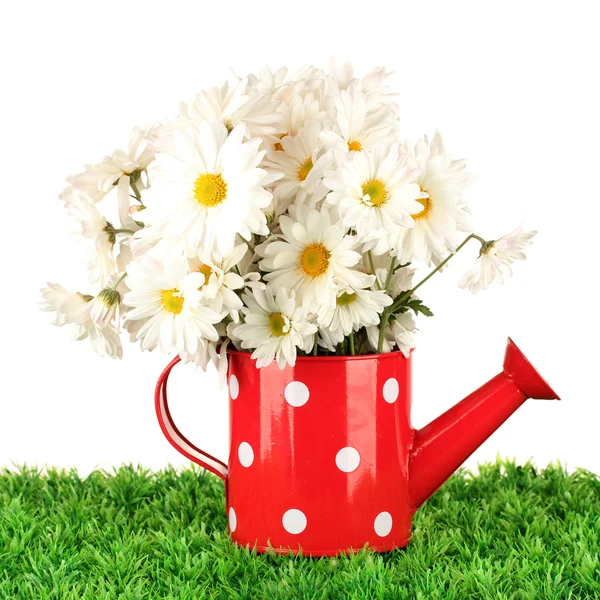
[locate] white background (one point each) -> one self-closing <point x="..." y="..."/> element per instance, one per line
<point x="513" y="87"/>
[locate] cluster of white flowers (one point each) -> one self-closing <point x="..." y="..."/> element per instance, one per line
<point x="278" y="213"/>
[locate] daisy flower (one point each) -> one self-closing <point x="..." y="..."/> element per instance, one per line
<point x="167" y="299"/>
<point x="341" y="77"/>
<point x="267" y="82"/>
<point x="211" y="352"/>
<point x="353" y="309"/>
<point x="106" y="306"/>
<point x="72" y="308"/>
<point x="355" y="128"/>
<point x="207" y="190"/>
<point x="120" y="170"/>
<point x="400" y="333"/>
<point x="442" y="211"/>
<point x="302" y="160"/>
<point x="295" y="114"/>
<point x="220" y="282"/>
<point x="100" y="233"/>
<point x="374" y="193"/>
<point x="314" y="258"/>
<point x="232" y="104"/>
<point x="495" y="259"/>
<point x="274" y="327"/>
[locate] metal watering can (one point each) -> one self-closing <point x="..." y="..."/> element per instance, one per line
<point x="323" y="457"/>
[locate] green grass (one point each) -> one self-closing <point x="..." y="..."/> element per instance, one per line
<point x="506" y="532"/>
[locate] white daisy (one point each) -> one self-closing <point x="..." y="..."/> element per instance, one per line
<point x="295" y="114"/>
<point x="355" y="128"/>
<point x="374" y="193"/>
<point x="495" y="259"/>
<point x="443" y="207"/>
<point x="121" y="170"/>
<point x="399" y="333"/>
<point x="353" y="309"/>
<point x="211" y="352"/>
<point x="313" y="258"/>
<point x="220" y="282"/>
<point x="274" y="327"/>
<point x="72" y="308"/>
<point x="302" y="161"/>
<point x="207" y="190"/>
<point x="401" y="280"/>
<point x="341" y="77"/>
<point x="267" y="82"/>
<point x="168" y="301"/>
<point x="106" y="306"/>
<point x="99" y="233"/>
<point x="232" y="104"/>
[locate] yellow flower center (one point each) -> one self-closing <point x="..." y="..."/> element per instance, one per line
<point x="229" y="125"/>
<point x="424" y="214"/>
<point x="315" y="260"/>
<point x="305" y="168"/>
<point x="355" y="145"/>
<point x="345" y="299"/>
<point x="276" y="324"/>
<point x="173" y="303"/>
<point x="378" y="195"/>
<point x="206" y="271"/>
<point x="277" y="146"/>
<point x="210" y="190"/>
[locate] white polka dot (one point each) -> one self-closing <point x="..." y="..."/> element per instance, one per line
<point x="391" y="389"/>
<point x="347" y="459"/>
<point x="294" y="521"/>
<point x="232" y="519"/>
<point x="383" y="524"/>
<point x="234" y="387"/>
<point x="296" y="393"/>
<point x="245" y="454"/>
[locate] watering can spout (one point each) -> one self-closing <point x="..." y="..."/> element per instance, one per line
<point x="443" y="445"/>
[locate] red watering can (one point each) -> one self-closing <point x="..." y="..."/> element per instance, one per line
<point x="323" y="457"/>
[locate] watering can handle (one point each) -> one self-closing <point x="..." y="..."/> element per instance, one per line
<point x="175" y="437"/>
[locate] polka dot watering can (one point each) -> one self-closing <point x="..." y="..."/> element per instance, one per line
<point x="323" y="458"/>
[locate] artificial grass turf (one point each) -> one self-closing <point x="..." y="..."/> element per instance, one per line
<point x="506" y="532"/>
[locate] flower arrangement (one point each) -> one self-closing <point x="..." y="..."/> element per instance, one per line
<point x="278" y="213"/>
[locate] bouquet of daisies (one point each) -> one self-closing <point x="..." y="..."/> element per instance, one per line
<point x="281" y="214"/>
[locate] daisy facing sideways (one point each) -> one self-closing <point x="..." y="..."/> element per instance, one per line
<point x="99" y="235"/>
<point x="495" y="259"/>
<point x="274" y="327"/>
<point x="232" y="104"/>
<point x="206" y="190"/>
<point x="220" y="281"/>
<point x="374" y="193"/>
<point x="443" y="208"/>
<point x="73" y="309"/>
<point x="166" y="299"/>
<point x="314" y="259"/>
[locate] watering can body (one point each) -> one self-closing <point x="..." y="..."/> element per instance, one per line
<point x="323" y="458"/>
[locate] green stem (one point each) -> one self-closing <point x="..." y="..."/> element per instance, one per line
<point x="351" y="338"/>
<point x="129" y="231"/>
<point x="385" y="317"/>
<point x="119" y="280"/>
<point x="372" y="265"/>
<point x="389" y="275"/>
<point x="410" y="292"/>
<point x="138" y="196"/>
<point x="316" y="345"/>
